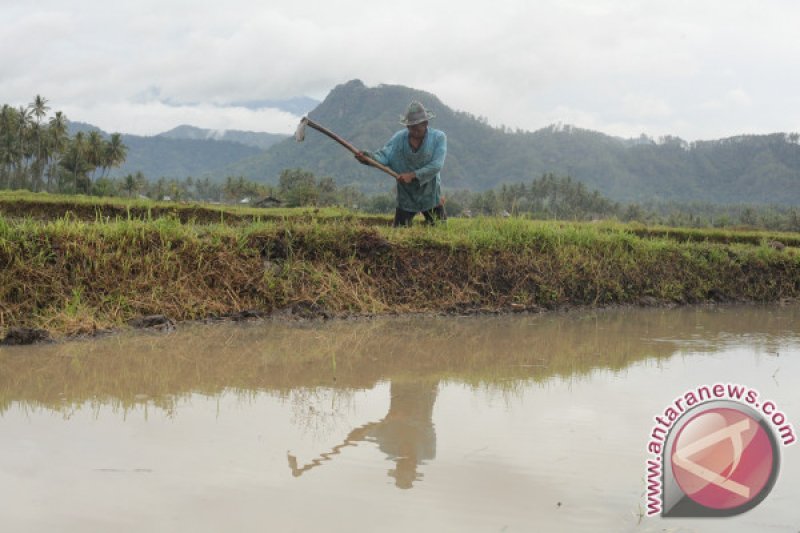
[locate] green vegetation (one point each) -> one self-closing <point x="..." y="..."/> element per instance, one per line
<point x="158" y="156"/>
<point x="52" y="207"/>
<point x="562" y="198"/>
<point x="549" y="197"/>
<point x="42" y="156"/>
<point x="74" y="274"/>
<point x="295" y="188"/>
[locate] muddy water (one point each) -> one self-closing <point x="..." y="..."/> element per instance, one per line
<point x="513" y="423"/>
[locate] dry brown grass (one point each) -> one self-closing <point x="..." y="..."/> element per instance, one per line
<point x="76" y="277"/>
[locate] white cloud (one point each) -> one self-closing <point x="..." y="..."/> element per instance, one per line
<point x="148" y="118"/>
<point x="609" y="63"/>
<point x="730" y="100"/>
<point x="646" y="106"/>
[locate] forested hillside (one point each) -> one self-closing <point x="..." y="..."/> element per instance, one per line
<point x="175" y="158"/>
<point x="743" y="169"/>
<point x="179" y="157"/>
<point x="752" y="168"/>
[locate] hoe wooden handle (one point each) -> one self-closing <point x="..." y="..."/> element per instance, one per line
<point x="329" y="133"/>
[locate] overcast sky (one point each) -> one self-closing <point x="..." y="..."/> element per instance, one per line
<point x="698" y="69"/>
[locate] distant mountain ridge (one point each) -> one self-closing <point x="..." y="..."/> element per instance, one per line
<point x="162" y="156"/>
<point x="742" y="169"/>
<point x="751" y="168"/>
<point x="255" y="139"/>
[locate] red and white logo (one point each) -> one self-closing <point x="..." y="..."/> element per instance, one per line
<point x="721" y="459"/>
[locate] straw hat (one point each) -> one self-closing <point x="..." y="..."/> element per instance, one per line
<point x="416" y="114"/>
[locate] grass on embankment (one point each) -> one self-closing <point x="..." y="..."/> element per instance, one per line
<point x="70" y="276"/>
<point x="52" y="207"/>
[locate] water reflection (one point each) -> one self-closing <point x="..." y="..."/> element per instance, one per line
<point x="406" y="434"/>
<point x="514" y="423"/>
<point x="157" y="370"/>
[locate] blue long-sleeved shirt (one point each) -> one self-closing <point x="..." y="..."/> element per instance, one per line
<point x="425" y="191"/>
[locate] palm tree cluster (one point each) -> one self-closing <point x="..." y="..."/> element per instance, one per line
<point x="40" y="155"/>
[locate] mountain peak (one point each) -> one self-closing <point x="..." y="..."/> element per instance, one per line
<point x="352" y="85"/>
<point x="355" y="106"/>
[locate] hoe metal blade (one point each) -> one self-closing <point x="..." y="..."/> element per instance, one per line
<point x="300" y="134"/>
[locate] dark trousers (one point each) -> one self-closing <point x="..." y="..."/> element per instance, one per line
<point x="404" y="218"/>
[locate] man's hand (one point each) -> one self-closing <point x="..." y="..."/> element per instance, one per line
<point x="363" y="158"/>
<point x="406" y="177"/>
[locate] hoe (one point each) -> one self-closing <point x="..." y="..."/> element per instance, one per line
<point x="300" y="134"/>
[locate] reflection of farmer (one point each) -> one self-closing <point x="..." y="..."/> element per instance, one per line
<point x="406" y="434"/>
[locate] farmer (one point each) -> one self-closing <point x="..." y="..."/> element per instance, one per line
<point x="417" y="154"/>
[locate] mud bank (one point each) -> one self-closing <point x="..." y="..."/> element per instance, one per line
<point x="69" y="277"/>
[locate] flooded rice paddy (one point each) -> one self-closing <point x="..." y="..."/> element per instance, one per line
<point x="502" y="423"/>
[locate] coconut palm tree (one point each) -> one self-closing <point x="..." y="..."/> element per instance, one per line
<point x="8" y="122"/>
<point x="130" y="185"/>
<point x="115" y="153"/>
<point x="95" y="152"/>
<point x="76" y="159"/>
<point x="23" y="153"/>
<point x="37" y="150"/>
<point x="39" y="109"/>
<point x="57" y="139"/>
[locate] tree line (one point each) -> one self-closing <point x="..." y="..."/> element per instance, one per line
<point x="137" y="185"/>
<point x="295" y="188"/>
<point x="552" y="197"/>
<point x="549" y="197"/>
<point x="37" y="152"/>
